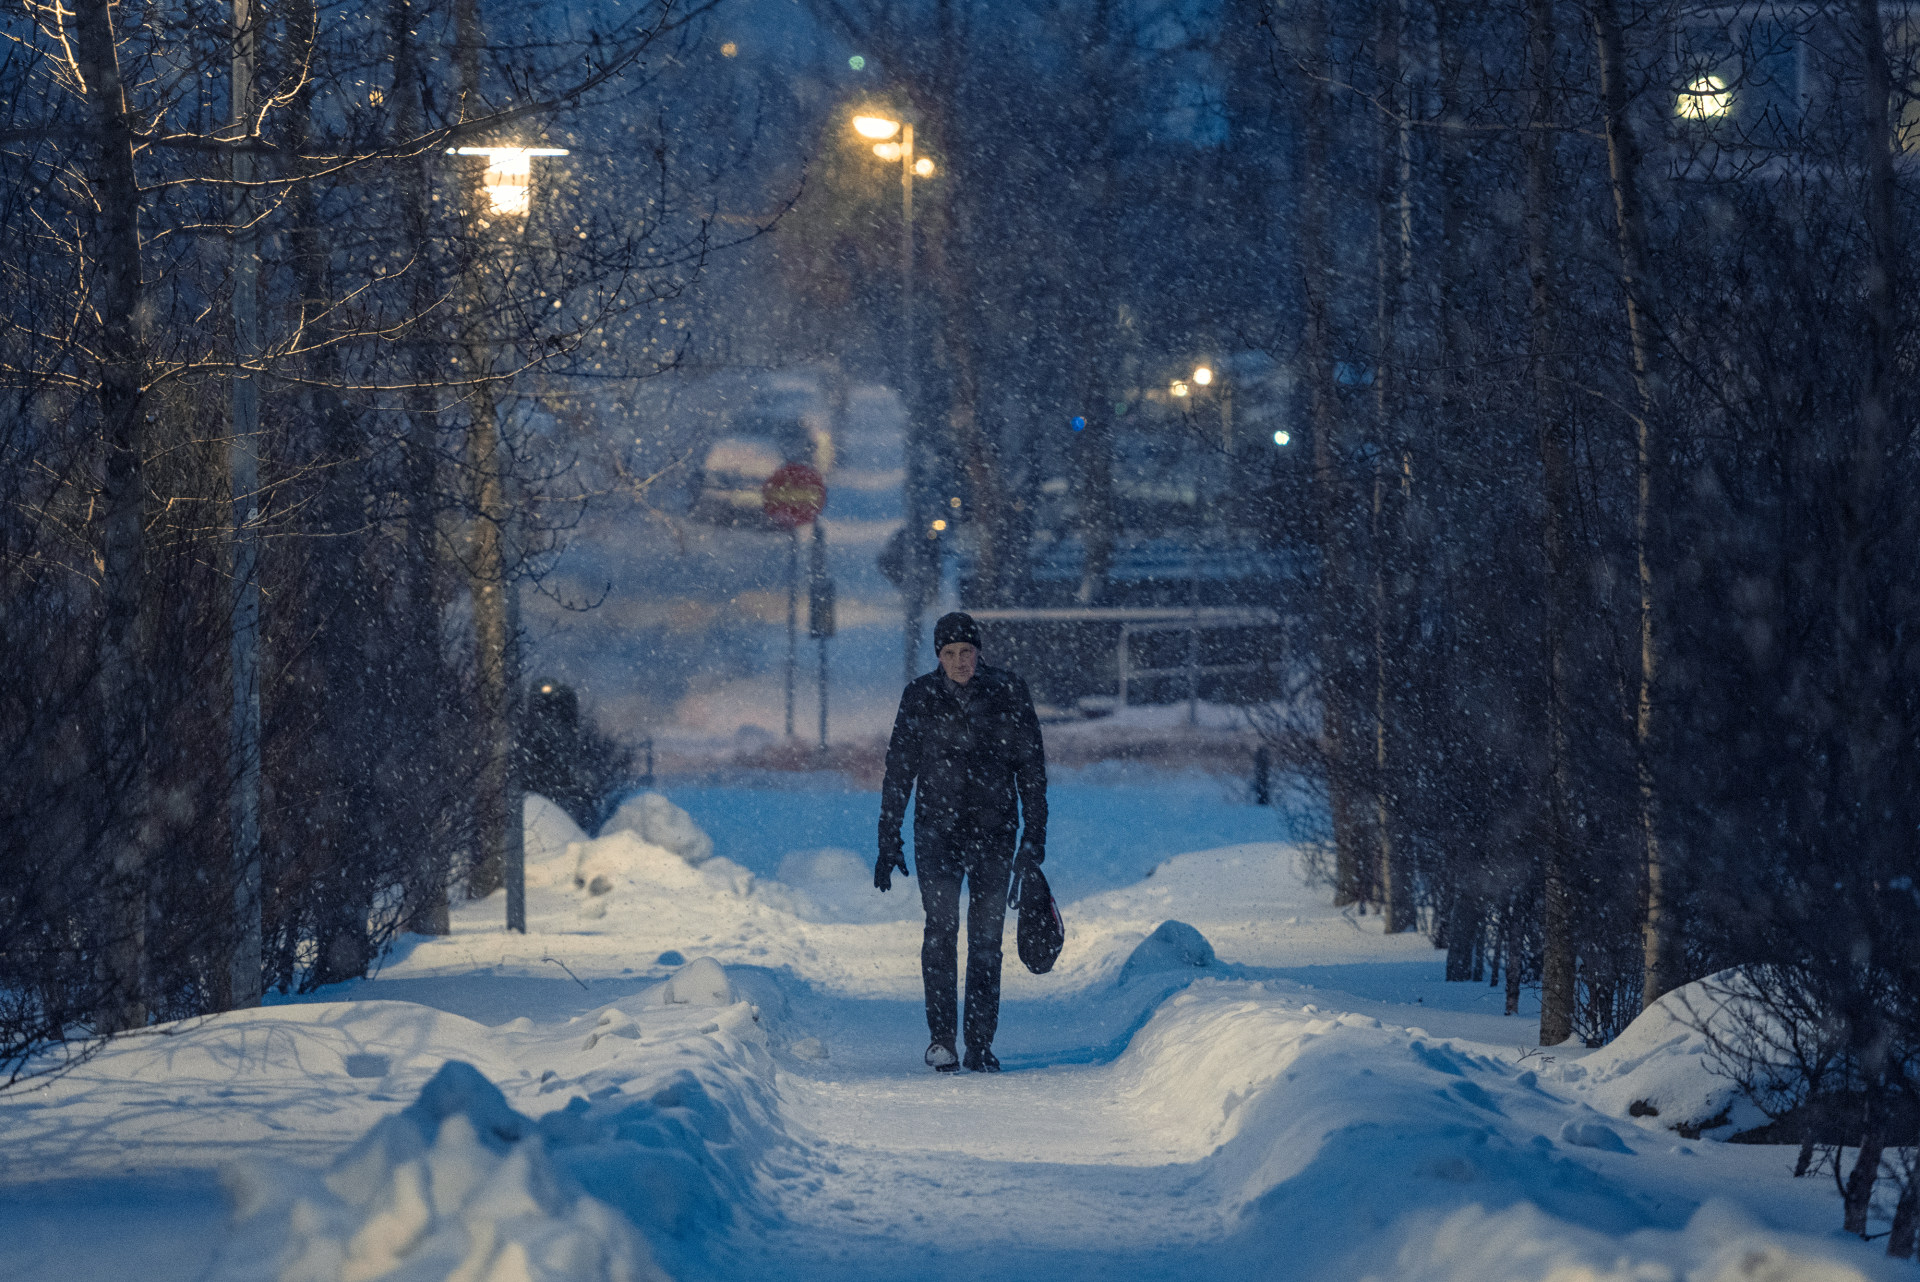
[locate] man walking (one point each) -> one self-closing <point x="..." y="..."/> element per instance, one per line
<point x="967" y="736"/>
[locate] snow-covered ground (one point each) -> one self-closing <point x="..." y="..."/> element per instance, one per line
<point x="703" y="1061"/>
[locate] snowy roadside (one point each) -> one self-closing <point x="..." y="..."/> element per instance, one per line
<point x="633" y="1106"/>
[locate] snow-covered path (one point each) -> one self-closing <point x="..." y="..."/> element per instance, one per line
<point x="1314" y="1102"/>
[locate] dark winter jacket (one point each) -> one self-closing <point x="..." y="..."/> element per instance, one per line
<point x="969" y="757"/>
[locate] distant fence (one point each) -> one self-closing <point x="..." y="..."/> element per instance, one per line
<point x="1146" y="654"/>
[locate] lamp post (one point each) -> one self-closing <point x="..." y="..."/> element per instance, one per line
<point x="507" y="188"/>
<point x="883" y="130"/>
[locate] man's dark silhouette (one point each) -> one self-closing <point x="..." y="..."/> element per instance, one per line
<point x="967" y="737"/>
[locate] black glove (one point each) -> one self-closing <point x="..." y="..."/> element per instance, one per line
<point x="1033" y="850"/>
<point x="883" y="869"/>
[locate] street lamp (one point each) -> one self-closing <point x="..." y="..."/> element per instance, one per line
<point x="893" y="140"/>
<point x="508" y="188"/>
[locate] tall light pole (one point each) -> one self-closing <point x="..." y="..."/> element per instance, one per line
<point x="883" y="130"/>
<point x="507" y="190"/>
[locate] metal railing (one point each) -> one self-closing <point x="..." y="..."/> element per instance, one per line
<point x="1144" y="619"/>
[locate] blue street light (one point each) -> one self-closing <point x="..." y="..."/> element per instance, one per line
<point x="1079" y="424"/>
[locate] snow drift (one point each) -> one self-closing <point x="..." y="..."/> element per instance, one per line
<point x="455" y="1187"/>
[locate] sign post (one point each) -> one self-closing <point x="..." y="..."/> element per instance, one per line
<point x="820" y="622"/>
<point x="791" y="498"/>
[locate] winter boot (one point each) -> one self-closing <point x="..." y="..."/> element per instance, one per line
<point x="941" y="1059"/>
<point x="981" y="1060"/>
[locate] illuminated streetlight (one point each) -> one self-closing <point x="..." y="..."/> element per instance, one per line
<point x="1706" y="98"/>
<point x="509" y="179"/>
<point x="893" y="141"/>
<point x="1180" y="387"/>
<point x="1282" y="437"/>
<point x="1202" y="375"/>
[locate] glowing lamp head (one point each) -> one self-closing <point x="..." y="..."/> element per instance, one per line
<point x="887" y="150"/>
<point x="876" y="127"/>
<point x="939" y="525"/>
<point x="923" y="167"/>
<point x="509" y="180"/>
<point x="1180" y="388"/>
<point x="1706" y="98"/>
<point x="1202" y="375"/>
<point x="1282" y="437"/>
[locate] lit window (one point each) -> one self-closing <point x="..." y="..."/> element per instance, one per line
<point x="1707" y="98"/>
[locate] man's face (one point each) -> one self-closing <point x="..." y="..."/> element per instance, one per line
<point x="957" y="660"/>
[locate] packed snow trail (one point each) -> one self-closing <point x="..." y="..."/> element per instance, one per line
<point x="688" y="1071"/>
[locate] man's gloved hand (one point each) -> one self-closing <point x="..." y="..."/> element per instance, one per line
<point x="883" y="869"/>
<point x="1033" y="850"/>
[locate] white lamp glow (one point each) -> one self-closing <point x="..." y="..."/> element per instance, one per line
<point x="875" y="126"/>
<point x="1707" y="98"/>
<point x="509" y="180"/>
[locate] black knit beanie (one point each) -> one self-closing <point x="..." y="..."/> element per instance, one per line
<point x="955" y="627"/>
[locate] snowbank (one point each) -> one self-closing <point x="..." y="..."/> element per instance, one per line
<point x="456" y="1186"/>
<point x="659" y="822"/>
<point x="1436" y="1160"/>
<point x="1173" y="946"/>
<point x="549" y="830"/>
<point x="1661" y="1067"/>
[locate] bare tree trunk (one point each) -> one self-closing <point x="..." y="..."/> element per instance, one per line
<point x="1857" y="1196"/>
<point x="244" y="976"/>
<point x="123" y="685"/>
<point x="427" y="911"/>
<point x="1906" y="1214"/>
<point x="1624" y="173"/>
<point x="1393" y="263"/>
<point x="1556" y="471"/>
<point x="1333" y="501"/>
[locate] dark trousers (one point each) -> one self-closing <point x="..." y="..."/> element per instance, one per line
<point x="986" y="863"/>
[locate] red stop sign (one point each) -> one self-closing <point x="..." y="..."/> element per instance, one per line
<point x="793" y="496"/>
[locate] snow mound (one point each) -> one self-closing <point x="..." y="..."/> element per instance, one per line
<point x="1597" y="1135"/>
<point x="455" y="1186"/>
<point x="701" y="982"/>
<point x="622" y="860"/>
<point x="1173" y="946"/>
<point x="659" y="822"/>
<point x="1434" y="1154"/>
<point x="551" y="836"/>
<point x="1661" y="1066"/>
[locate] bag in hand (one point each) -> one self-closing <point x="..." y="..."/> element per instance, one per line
<point x="1041" y="932"/>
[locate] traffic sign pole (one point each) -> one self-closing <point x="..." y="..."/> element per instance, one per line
<point x="821" y="627"/>
<point x="792" y="497"/>
<point x="793" y="618"/>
